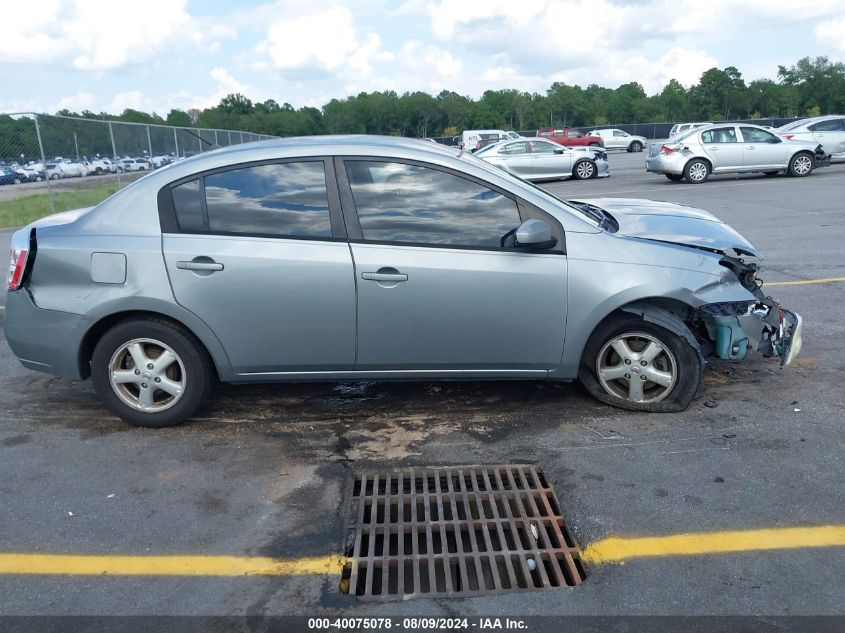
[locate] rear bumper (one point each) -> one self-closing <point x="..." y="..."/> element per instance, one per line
<point x="44" y="340"/>
<point x="665" y="164"/>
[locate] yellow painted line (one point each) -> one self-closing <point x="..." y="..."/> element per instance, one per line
<point x="615" y="549"/>
<point x="99" y="565"/>
<point x="803" y="282"/>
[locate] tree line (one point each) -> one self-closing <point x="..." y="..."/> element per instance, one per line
<point x="810" y="87"/>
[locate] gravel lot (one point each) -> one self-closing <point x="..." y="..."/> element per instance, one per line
<point x="262" y="471"/>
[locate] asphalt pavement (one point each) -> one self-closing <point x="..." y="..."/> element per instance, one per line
<point x="262" y="471"/>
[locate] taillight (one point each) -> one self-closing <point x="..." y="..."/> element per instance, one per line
<point x="665" y="149"/>
<point x="17" y="265"/>
<point x="788" y="136"/>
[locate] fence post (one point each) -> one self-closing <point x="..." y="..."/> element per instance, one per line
<point x="230" y="136"/>
<point x="149" y="142"/>
<point x="114" y="153"/>
<point x="176" y="142"/>
<point x="199" y="139"/>
<point x="215" y="138"/>
<point x="44" y="162"/>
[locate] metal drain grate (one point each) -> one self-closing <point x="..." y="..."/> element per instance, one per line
<point x="456" y="531"/>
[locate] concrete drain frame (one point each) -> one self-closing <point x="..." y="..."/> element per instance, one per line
<point x="455" y="531"/>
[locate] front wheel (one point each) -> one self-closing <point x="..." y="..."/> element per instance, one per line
<point x="636" y="146"/>
<point x="801" y="165"/>
<point x="54" y="177"/>
<point x="584" y="170"/>
<point x="151" y="372"/>
<point x="696" y="171"/>
<point x="637" y="365"/>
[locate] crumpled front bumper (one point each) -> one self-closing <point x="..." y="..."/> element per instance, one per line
<point x="768" y="329"/>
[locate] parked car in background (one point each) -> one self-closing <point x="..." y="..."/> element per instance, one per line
<point x="541" y="159"/>
<point x="161" y="161"/>
<point x="99" y="166"/>
<point x="134" y="164"/>
<point x="241" y="265"/>
<point x="569" y="137"/>
<point x="828" y="131"/>
<point x="64" y="168"/>
<point x="620" y="139"/>
<point x="728" y="148"/>
<point x="474" y="140"/>
<point x="9" y="176"/>
<point x="680" y="128"/>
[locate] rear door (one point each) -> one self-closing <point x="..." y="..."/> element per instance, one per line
<point x="258" y="252"/>
<point x="722" y="147"/>
<point x="437" y="291"/>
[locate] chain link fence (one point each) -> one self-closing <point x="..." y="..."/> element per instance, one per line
<point x="56" y="163"/>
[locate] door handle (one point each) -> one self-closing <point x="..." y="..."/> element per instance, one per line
<point x="749" y="147"/>
<point x="384" y="276"/>
<point x="714" y="149"/>
<point x="199" y="265"/>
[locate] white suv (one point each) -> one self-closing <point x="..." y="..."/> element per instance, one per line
<point x="619" y="139"/>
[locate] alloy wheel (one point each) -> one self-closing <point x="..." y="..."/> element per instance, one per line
<point x="147" y="375"/>
<point x="636" y="366"/>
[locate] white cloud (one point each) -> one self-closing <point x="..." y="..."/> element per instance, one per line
<point x="322" y="42"/>
<point x="77" y="102"/>
<point x="831" y="33"/>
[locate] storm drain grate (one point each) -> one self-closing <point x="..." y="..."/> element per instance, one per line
<point x="456" y="531"/>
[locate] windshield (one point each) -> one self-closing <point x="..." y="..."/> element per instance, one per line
<point x="793" y="125"/>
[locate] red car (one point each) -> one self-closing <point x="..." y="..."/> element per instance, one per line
<point x="569" y="137"/>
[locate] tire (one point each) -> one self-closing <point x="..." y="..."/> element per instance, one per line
<point x="17" y="181"/>
<point x="675" y="177"/>
<point x="801" y="164"/>
<point x="594" y="145"/>
<point x="697" y="171"/>
<point x="584" y="170"/>
<point x="190" y="372"/>
<point x="54" y="176"/>
<point x="677" y="359"/>
<point x="636" y="146"/>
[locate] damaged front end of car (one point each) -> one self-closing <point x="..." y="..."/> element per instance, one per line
<point x="761" y="324"/>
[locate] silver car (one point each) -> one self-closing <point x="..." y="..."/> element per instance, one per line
<point x="539" y="159"/>
<point x="378" y="258"/>
<point x="729" y="148"/>
<point x="828" y="131"/>
<point x="620" y="139"/>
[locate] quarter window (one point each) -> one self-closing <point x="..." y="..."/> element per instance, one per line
<point x="188" y="205"/>
<point x="398" y="202"/>
<point x="279" y="199"/>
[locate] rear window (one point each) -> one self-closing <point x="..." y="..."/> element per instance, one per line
<point x="832" y="125"/>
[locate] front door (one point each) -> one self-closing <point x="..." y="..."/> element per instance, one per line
<point x="255" y="253"/>
<point x="761" y="149"/>
<point x="723" y="149"/>
<point x="436" y="288"/>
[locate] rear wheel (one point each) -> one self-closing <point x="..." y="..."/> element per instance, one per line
<point x="151" y="372"/>
<point x="801" y="165"/>
<point x="675" y="177"/>
<point x="637" y="365"/>
<point x="696" y="171"/>
<point x="584" y="170"/>
<point x="636" y="146"/>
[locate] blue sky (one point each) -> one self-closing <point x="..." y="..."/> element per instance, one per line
<point x="158" y="54"/>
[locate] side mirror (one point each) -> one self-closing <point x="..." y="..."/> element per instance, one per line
<point x="559" y="151"/>
<point x="534" y="233"/>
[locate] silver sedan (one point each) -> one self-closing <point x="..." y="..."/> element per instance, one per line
<point x="539" y="159"/>
<point x="379" y="258"/>
<point x="729" y="148"/>
<point x="828" y="131"/>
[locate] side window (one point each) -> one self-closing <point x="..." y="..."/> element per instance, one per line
<point x="188" y="206"/>
<point x="541" y="147"/>
<point x="754" y="135"/>
<point x="573" y="134"/>
<point x="514" y="148"/>
<point x="619" y="133"/>
<point x="398" y="202"/>
<point x="280" y="199"/>
<point x="833" y="125"/>
<point x="719" y="135"/>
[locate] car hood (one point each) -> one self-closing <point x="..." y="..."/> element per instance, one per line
<point x="673" y="223"/>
